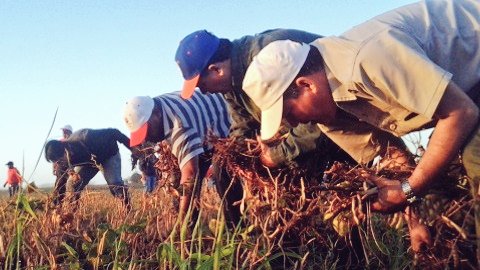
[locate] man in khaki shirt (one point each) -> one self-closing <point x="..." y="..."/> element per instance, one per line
<point x="402" y="71"/>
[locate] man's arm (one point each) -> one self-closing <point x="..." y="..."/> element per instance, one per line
<point x="61" y="181"/>
<point x="457" y="116"/>
<point x="121" y="138"/>
<point x="20" y="177"/>
<point x="189" y="173"/>
<point x="299" y="140"/>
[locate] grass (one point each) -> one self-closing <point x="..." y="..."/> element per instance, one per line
<point x="97" y="233"/>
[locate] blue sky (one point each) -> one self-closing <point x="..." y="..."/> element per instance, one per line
<point x="88" y="57"/>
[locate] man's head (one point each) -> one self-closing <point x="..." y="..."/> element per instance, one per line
<point x="204" y="60"/>
<point x="67" y="130"/>
<point x="286" y="79"/>
<point x="54" y="150"/>
<point x="9" y="164"/>
<point x="143" y="119"/>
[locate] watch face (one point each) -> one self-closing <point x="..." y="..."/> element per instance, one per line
<point x="407" y="189"/>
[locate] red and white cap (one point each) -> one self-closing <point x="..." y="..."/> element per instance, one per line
<point x="137" y="112"/>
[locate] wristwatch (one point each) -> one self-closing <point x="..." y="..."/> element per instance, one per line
<point x="407" y="189"/>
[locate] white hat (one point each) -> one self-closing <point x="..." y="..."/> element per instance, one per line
<point x="67" y="127"/>
<point x="271" y="72"/>
<point x="136" y="114"/>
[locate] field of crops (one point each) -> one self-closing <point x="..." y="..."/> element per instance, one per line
<point x="290" y="221"/>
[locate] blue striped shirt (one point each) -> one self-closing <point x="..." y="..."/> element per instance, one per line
<point x="187" y="123"/>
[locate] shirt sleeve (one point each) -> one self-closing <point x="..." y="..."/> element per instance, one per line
<point x="121" y="138"/>
<point x="395" y="69"/>
<point x="301" y="139"/>
<point x="243" y="125"/>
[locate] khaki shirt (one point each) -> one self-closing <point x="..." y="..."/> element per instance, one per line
<point x="392" y="71"/>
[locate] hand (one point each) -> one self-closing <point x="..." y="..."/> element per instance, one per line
<point x="390" y="196"/>
<point x="420" y="237"/>
<point x="134" y="159"/>
<point x="4" y="185"/>
<point x="265" y="157"/>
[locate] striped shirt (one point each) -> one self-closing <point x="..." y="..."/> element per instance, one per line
<point x="187" y="123"/>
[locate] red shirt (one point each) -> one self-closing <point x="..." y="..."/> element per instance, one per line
<point x="13" y="176"/>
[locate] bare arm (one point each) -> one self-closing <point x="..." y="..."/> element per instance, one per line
<point x="189" y="172"/>
<point x="457" y="116"/>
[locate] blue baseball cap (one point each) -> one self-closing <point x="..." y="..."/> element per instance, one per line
<point x="193" y="54"/>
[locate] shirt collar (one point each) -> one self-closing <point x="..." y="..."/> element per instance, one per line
<point x="338" y="57"/>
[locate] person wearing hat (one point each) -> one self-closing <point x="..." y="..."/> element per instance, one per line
<point x="185" y="125"/>
<point x="14" y="179"/>
<point x="86" y="152"/>
<point x="62" y="176"/>
<point x="146" y="164"/>
<point x="415" y="67"/>
<point x="218" y="65"/>
<point x="67" y="130"/>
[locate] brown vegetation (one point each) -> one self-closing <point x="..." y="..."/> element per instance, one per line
<point x="295" y="217"/>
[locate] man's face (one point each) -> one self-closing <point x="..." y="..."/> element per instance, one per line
<point x="66" y="133"/>
<point x="216" y="78"/>
<point x="309" y="101"/>
<point x="155" y="132"/>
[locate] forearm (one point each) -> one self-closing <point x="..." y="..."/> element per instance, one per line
<point x="458" y="116"/>
<point x="444" y="144"/>
<point x="60" y="188"/>
<point x="187" y="182"/>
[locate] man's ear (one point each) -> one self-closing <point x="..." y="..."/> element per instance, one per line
<point x="216" y="69"/>
<point x="304" y="83"/>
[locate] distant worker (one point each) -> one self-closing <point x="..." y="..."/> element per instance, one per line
<point x="147" y="169"/>
<point x="67" y="131"/>
<point x="86" y="152"/>
<point x="14" y="179"/>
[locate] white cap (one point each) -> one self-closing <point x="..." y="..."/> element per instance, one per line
<point x="67" y="127"/>
<point x="271" y="72"/>
<point x="136" y="114"/>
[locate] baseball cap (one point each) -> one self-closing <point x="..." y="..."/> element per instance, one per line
<point x="10" y="163"/>
<point x="136" y="114"/>
<point x="67" y="127"/>
<point x="269" y="74"/>
<point x="192" y="56"/>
